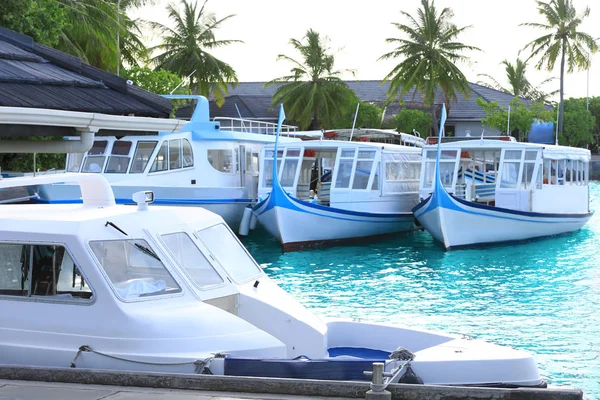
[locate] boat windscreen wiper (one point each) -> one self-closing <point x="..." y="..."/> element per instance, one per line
<point x="108" y="223"/>
<point x="147" y="251"/>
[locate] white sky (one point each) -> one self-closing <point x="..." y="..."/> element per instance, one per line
<point x="357" y="33"/>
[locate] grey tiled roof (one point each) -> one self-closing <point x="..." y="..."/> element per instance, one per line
<point x="37" y="76"/>
<point x="254" y="96"/>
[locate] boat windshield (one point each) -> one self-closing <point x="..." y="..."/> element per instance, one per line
<point x="229" y="253"/>
<point x="133" y="268"/>
<point x="195" y="264"/>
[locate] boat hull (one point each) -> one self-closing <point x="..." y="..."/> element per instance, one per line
<point x="458" y="223"/>
<point x="229" y="203"/>
<point x="298" y="224"/>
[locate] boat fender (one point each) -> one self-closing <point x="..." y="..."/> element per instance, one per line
<point x="410" y="377"/>
<point x="245" y="223"/>
<point x="253" y="221"/>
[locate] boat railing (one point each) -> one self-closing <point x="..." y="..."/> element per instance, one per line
<point x="460" y="190"/>
<point x="253" y="126"/>
<point x="484" y="192"/>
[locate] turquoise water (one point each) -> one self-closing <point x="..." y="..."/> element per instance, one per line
<point x="542" y="296"/>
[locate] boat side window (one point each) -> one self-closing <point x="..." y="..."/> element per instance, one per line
<point x="402" y="171"/>
<point x="40" y="270"/>
<point x="267" y="180"/>
<point x="74" y="161"/>
<point x="375" y="184"/>
<point x="94" y="162"/>
<point x="447" y="166"/>
<point x="528" y="168"/>
<point x="160" y="162"/>
<point x="344" y="170"/>
<point x="175" y="161"/>
<point x="191" y="259"/>
<point x="119" y="157"/>
<point x="133" y="269"/>
<point x="228" y="252"/>
<point x="364" y="166"/>
<point x="290" y="166"/>
<point x="510" y="169"/>
<point x="141" y="156"/>
<point x="188" y="154"/>
<point x="221" y="160"/>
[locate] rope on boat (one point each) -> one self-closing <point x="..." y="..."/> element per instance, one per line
<point x="403" y="357"/>
<point x="201" y="366"/>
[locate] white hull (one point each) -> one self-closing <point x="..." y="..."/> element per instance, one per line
<point x="455" y="223"/>
<point x="298" y="224"/>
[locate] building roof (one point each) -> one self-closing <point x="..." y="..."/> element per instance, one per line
<point x="254" y="100"/>
<point x="36" y="76"/>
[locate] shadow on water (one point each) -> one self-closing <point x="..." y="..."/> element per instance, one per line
<point x="541" y="296"/>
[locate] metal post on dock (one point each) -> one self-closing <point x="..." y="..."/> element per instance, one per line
<point x="377" y="391"/>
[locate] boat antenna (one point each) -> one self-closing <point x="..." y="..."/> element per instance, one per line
<point x="240" y="115"/>
<point x="354" y="123"/>
<point x="181" y="83"/>
<point x="508" y="124"/>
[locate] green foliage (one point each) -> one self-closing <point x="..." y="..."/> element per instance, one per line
<point x="407" y="120"/>
<point x="157" y="81"/>
<point x="562" y="39"/>
<point x="185" y="50"/>
<point x="43" y="20"/>
<point x="24" y="162"/>
<point x="314" y="95"/>
<point x="429" y="57"/>
<point x="369" y="116"/>
<point x="519" y="85"/>
<point x="521" y="116"/>
<point x="579" y="125"/>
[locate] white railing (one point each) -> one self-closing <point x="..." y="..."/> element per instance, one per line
<point x="252" y="126"/>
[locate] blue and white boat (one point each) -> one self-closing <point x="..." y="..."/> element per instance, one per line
<point x="208" y="163"/>
<point x="485" y="191"/>
<point x="327" y="191"/>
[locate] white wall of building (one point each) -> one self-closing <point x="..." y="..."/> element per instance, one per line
<point x="474" y="128"/>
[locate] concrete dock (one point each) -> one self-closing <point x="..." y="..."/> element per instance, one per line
<point x="33" y="383"/>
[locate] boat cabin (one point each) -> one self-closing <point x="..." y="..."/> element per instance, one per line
<point x="509" y="174"/>
<point x="203" y="158"/>
<point x="347" y="175"/>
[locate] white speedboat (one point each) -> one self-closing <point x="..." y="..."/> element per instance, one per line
<point x="171" y="289"/>
<point x="329" y="191"/>
<point x="208" y="163"/>
<point x="483" y="191"/>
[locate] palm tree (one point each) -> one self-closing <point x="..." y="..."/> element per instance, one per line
<point x="519" y="85"/>
<point x="430" y="54"/>
<point x="185" y="50"/>
<point x="314" y="94"/>
<point x="564" y="39"/>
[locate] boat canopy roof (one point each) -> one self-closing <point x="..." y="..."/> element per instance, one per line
<point x="335" y="144"/>
<point x="548" y="151"/>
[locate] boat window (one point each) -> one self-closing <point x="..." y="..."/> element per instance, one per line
<point x="93" y="164"/>
<point x="188" y="155"/>
<point x="99" y="147"/>
<point x="175" y="161"/>
<point x="228" y="252"/>
<point x="160" y="161"/>
<point x="509" y="174"/>
<point x="512" y="154"/>
<point x="362" y="174"/>
<point x="133" y="269"/>
<point x="366" y="154"/>
<point x="375" y="184"/>
<point x="251" y="162"/>
<point x="402" y="171"/>
<point x="221" y="160"/>
<point x="267" y="180"/>
<point x="74" y="161"/>
<point x="528" y="168"/>
<point x="141" y="157"/>
<point x="194" y="263"/>
<point x="41" y="270"/>
<point x="348" y="153"/>
<point x="290" y="166"/>
<point x="344" y="169"/>
<point x="119" y="158"/>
